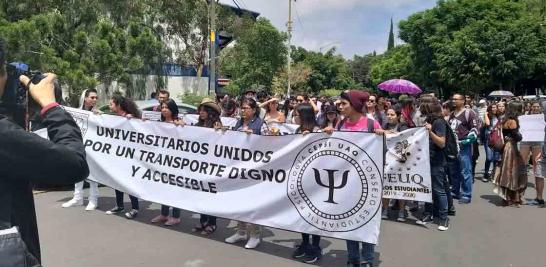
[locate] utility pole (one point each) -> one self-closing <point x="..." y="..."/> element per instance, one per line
<point x="289" y="25"/>
<point x="212" y="71"/>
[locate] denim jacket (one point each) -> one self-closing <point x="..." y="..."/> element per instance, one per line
<point x="255" y="124"/>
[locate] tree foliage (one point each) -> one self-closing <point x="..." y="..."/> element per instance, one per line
<point x="259" y="53"/>
<point x="396" y="63"/>
<point x="475" y="44"/>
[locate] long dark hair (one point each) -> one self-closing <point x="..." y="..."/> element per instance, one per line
<point x="490" y="110"/>
<point x="212" y="117"/>
<point x="513" y="110"/>
<point x="127" y="105"/>
<point x="286" y="106"/>
<point x="308" y="120"/>
<point x="268" y="109"/>
<point x="330" y="109"/>
<point x="432" y="110"/>
<point x="171" y="105"/>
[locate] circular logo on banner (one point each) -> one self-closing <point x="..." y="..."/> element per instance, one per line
<point x="335" y="185"/>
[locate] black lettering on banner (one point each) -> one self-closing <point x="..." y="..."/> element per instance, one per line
<point x="405" y="178"/>
<point x="267" y="157"/>
<point x="242" y="154"/>
<point x="135" y="170"/>
<point x="126" y="152"/>
<point x="178" y="181"/>
<point x="98" y="146"/>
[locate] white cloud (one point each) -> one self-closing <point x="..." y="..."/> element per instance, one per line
<point x="356" y="26"/>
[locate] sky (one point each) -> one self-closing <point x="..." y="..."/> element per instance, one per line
<point x="353" y="26"/>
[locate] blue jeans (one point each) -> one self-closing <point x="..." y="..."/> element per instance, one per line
<point x="438" y="207"/>
<point x="462" y="184"/>
<point x="491" y="156"/>
<point x="353" y="255"/>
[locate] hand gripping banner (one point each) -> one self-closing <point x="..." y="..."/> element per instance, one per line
<point x="317" y="184"/>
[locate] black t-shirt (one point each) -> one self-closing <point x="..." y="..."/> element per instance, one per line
<point x="437" y="155"/>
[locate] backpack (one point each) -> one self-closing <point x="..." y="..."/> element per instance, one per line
<point x="371" y="129"/>
<point x="496" y="139"/>
<point x="451" y="148"/>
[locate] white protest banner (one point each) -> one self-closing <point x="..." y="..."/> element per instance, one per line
<point x="316" y="184"/>
<point x="407" y="169"/>
<point x="407" y="166"/>
<point x="532" y="127"/>
<point x="151" y="115"/>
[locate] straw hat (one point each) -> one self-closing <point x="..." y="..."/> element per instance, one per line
<point x="209" y="103"/>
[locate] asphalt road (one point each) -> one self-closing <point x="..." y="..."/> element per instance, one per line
<point x="482" y="234"/>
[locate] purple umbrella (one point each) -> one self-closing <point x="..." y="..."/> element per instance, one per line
<point x="400" y="86"/>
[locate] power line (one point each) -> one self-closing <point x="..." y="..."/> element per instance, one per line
<point x="244" y="4"/>
<point x="299" y="20"/>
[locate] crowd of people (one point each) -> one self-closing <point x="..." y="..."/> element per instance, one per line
<point x="456" y="129"/>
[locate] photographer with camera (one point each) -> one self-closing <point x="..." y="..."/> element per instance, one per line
<point x="26" y="158"/>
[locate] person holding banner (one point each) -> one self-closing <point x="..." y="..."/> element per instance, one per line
<point x="351" y="105"/>
<point x="540" y="174"/>
<point x="125" y="107"/>
<point x="308" y="252"/>
<point x="272" y="113"/>
<point x="249" y="123"/>
<point x="437" y="128"/>
<point x="209" y="117"/>
<point x="162" y="97"/>
<point x="88" y="102"/>
<point x="393" y="125"/>
<point x="330" y="116"/>
<point x="532" y="148"/>
<point x="169" y="114"/>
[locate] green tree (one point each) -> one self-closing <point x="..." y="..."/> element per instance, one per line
<point x="474" y="44"/>
<point x="329" y="70"/>
<point x="299" y="77"/>
<point x="259" y="53"/>
<point x="396" y="63"/>
<point x="360" y="67"/>
<point x="390" y="44"/>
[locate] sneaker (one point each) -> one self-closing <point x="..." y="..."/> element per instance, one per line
<point x="114" y="210"/>
<point x="401" y="216"/>
<point x="92" y="205"/>
<point x="425" y="220"/>
<point x="236" y="238"/>
<point x="300" y="251"/>
<point x="485" y="179"/>
<point x="444" y="225"/>
<point x="159" y="219"/>
<point x="253" y="242"/>
<point x="384" y="214"/>
<point x="172" y="221"/>
<point x="313" y="255"/>
<point x="131" y="214"/>
<point x="464" y="200"/>
<point x="366" y="264"/>
<point x="72" y="203"/>
<point x="451" y="211"/>
<point x="539" y="202"/>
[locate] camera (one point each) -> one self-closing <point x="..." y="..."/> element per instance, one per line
<point x="16" y="101"/>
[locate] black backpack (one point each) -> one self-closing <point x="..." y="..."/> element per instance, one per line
<point x="451" y="148"/>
